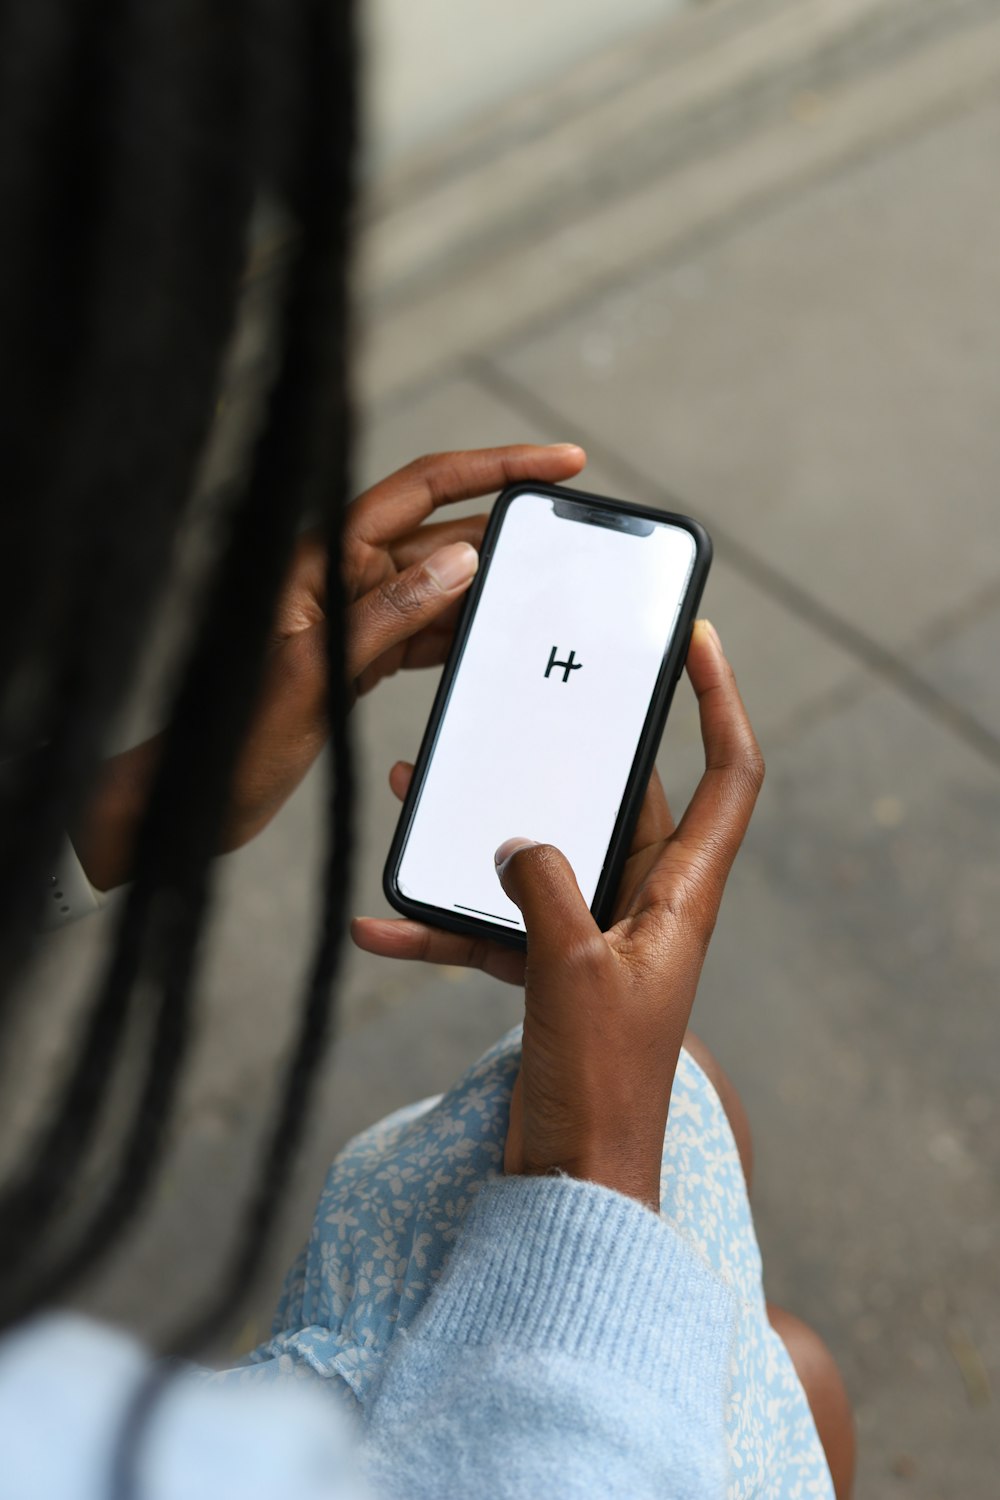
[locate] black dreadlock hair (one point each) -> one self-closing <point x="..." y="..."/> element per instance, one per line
<point x="137" y="138"/>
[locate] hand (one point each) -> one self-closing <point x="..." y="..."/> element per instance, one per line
<point x="401" y="937"/>
<point x="405" y="582"/>
<point x="405" y="579"/>
<point x="606" y="1013"/>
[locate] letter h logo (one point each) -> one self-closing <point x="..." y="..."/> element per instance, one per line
<point x="568" y="666"/>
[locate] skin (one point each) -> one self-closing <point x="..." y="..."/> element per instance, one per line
<point x="605" y="1013"/>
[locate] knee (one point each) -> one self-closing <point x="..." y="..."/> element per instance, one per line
<point x="729" y="1099"/>
<point x="824" y="1387"/>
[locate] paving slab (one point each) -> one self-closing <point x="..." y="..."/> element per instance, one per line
<point x="966" y="666"/>
<point x="672" y="185"/>
<point x="823" y="384"/>
<point x="613" y="120"/>
<point x="434" y="67"/>
<point x="852" y="991"/>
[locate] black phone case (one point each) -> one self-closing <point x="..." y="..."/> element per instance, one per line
<point x="646" y="749"/>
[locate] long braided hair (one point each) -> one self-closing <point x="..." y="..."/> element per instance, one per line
<point x="138" y="139"/>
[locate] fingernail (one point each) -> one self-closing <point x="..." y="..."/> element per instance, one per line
<point x="508" y="849"/>
<point x="707" y="625"/>
<point x="565" y="448"/>
<point x="453" y="566"/>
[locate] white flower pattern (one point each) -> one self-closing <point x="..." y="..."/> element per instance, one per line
<point x="396" y="1196"/>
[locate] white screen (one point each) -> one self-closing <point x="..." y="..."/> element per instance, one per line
<point x="546" y="757"/>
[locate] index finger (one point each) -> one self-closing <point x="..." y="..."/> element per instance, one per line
<point x="402" y="501"/>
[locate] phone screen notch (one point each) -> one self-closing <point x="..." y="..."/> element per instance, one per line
<point x="594" y="515"/>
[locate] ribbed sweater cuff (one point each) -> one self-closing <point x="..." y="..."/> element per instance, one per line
<point x="556" y="1265"/>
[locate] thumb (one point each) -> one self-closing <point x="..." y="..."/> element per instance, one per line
<point x="539" y="880"/>
<point x="405" y="603"/>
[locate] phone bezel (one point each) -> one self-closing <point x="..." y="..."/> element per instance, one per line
<point x="649" y="740"/>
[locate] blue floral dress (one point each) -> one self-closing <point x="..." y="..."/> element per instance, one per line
<point x="391" y="1207"/>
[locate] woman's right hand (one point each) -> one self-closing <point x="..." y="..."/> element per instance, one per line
<point x="606" y="1012"/>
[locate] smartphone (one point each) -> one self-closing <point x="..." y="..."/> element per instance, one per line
<point x="551" y="704"/>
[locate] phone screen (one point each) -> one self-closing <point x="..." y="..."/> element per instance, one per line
<point x="548" y="704"/>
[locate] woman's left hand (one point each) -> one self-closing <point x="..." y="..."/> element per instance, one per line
<point x="404" y="580"/>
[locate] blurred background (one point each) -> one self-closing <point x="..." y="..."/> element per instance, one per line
<point x="747" y="252"/>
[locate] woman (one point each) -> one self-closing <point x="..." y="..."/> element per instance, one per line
<point x="542" y="1322"/>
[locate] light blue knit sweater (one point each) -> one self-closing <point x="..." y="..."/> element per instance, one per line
<point x="575" y="1346"/>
